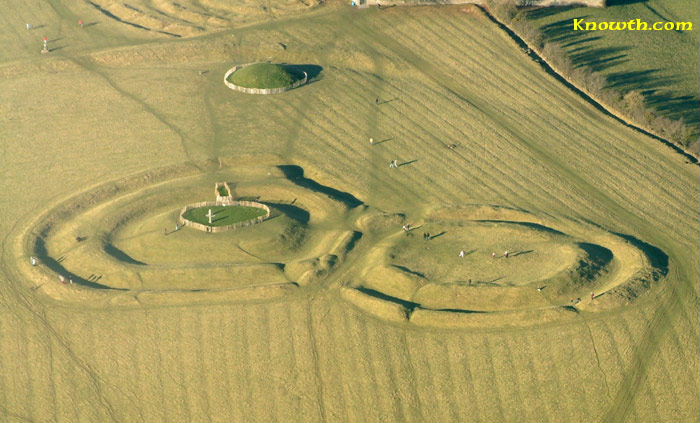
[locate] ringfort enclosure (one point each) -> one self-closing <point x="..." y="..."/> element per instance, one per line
<point x="318" y="211"/>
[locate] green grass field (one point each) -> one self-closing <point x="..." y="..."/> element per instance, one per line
<point x="263" y="75"/>
<point x="267" y="323"/>
<point x="223" y="215"/>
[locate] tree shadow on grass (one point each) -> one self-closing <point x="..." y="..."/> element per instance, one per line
<point x="658" y="89"/>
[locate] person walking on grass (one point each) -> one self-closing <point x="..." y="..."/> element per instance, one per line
<point x="462" y="253"/>
<point x="493" y="255"/>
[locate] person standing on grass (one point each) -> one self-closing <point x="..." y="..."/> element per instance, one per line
<point x="462" y="253"/>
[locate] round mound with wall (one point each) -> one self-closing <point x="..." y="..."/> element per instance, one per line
<point x="264" y="78"/>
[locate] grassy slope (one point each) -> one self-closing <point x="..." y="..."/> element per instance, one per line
<point x="663" y="63"/>
<point x="524" y="141"/>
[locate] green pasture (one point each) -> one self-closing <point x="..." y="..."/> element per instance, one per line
<point x="264" y="75"/>
<point x="223" y="215"/>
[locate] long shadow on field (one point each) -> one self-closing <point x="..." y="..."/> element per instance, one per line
<point x="409" y="271"/>
<point x="121" y="255"/>
<point x="611" y="3"/>
<point x="409" y="305"/>
<point x="658" y="89"/>
<point x="296" y="175"/>
<point x="293" y="212"/>
<point x="135" y="25"/>
<point x="55" y="266"/>
<point x="658" y="259"/>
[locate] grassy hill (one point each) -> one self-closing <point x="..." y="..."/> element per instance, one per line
<point x="115" y="100"/>
<point x="264" y="75"/>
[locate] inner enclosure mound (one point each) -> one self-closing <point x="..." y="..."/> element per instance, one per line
<point x="496" y="265"/>
<point x="532" y="255"/>
<point x="265" y="75"/>
<point x="223" y="215"/>
<point x="115" y="242"/>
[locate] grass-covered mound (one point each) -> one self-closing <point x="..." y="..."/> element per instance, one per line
<point x="264" y="75"/>
<point x="223" y="215"/>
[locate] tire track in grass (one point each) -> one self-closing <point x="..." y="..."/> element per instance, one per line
<point x="451" y="392"/>
<point x="428" y="390"/>
<point x="508" y="372"/>
<point x="304" y="358"/>
<point x="368" y="411"/>
<point x="321" y="390"/>
<point x="336" y="382"/>
<point x="185" y="141"/>
<point x="177" y="366"/>
<point x="384" y="404"/>
<point x="548" y="377"/>
<point x="413" y="135"/>
<point x="233" y="344"/>
<point x="386" y="341"/>
<point x="345" y="156"/>
<point x="203" y="376"/>
<point x="223" y="342"/>
<point x="458" y="353"/>
<point x="413" y="398"/>
<point x="433" y="153"/>
<point x="134" y="352"/>
<point x="646" y="348"/>
<point x="490" y="368"/>
<point x="528" y="379"/>
<point x="266" y="376"/>
<point x="346" y="343"/>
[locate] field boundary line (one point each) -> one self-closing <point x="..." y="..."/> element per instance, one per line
<point x="536" y="54"/>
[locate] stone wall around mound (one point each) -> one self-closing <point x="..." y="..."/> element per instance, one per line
<point x="260" y="90"/>
<point x="212" y="229"/>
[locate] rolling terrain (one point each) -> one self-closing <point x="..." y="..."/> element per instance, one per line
<point x="112" y="101"/>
